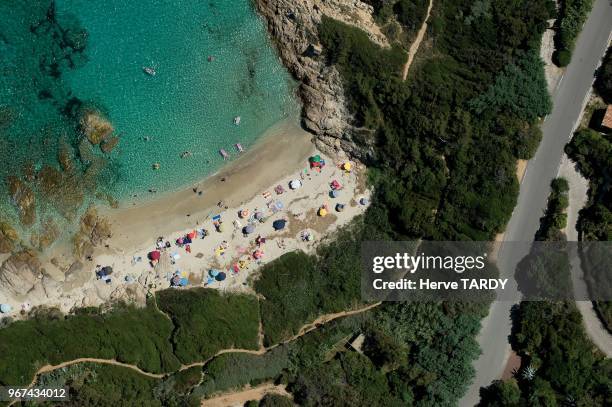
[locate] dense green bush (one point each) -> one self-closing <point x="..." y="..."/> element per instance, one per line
<point x="130" y="335"/>
<point x="275" y="400"/>
<point x="347" y="380"/>
<point x="550" y="338"/>
<point x="562" y="57"/>
<point x="555" y="216"/>
<point x="603" y="79"/>
<point x="207" y="321"/>
<point x="592" y="152"/>
<point x="109" y="385"/>
<point x="560" y="366"/>
<point x="572" y="15"/>
<point x="93" y="384"/>
<point x="410" y="14"/>
<point x="237" y="370"/>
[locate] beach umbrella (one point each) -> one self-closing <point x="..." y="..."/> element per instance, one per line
<point x="244" y="213"/>
<point x="334" y="193"/>
<point x="346" y="166"/>
<point x="5" y="308"/>
<point x="315" y="158"/>
<point x="221" y="276"/>
<point x="259" y="215"/>
<point x="248" y="229"/>
<point x="322" y="212"/>
<point x="192" y="235"/>
<point x="258" y="254"/>
<point x="295" y="184"/>
<point x="364" y="201"/>
<point x="339" y="207"/>
<point x="155" y="255"/>
<point x="213" y="272"/>
<point x="183" y="282"/>
<point x="335" y="184"/>
<point x="108" y="270"/>
<point x="279" y="224"/>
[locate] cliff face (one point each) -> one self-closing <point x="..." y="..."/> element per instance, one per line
<point x="293" y="27"/>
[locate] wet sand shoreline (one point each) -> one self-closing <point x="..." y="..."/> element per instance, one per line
<point x="282" y="150"/>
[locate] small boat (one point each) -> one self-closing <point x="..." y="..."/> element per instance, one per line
<point x="224" y="154"/>
<point x="149" y="70"/>
<point x="239" y="147"/>
<point x="237" y="120"/>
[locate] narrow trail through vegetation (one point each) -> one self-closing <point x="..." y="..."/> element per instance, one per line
<point x="323" y="319"/>
<point x="414" y="47"/>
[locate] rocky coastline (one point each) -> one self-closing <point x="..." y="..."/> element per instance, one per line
<point x="293" y="26"/>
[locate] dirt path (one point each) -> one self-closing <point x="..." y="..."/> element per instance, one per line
<point x="323" y="319"/>
<point x="50" y="368"/>
<point x="414" y="47"/>
<point x="239" y="398"/>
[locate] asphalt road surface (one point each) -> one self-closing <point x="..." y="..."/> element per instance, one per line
<point x="558" y="127"/>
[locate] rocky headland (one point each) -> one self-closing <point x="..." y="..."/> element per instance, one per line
<point x="293" y="26"/>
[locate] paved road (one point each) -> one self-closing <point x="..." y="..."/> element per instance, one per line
<point x="557" y="128"/>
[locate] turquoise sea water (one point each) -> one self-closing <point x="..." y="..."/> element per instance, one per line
<point x="69" y="55"/>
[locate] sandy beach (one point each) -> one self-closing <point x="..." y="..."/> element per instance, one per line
<point x="247" y="182"/>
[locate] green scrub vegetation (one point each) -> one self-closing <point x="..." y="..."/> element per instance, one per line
<point x="603" y="80"/>
<point x="207" y="321"/>
<point x="107" y="385"/>
<point x="202" y="322"/>
<point x="139" y="336"/>
<point x="572" y="15"/>
<point x="559" y="364"/>
<point x="447" y="140"/>
<point x="411" y="354"/>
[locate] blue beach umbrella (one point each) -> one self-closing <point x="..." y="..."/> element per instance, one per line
<point x="279" y="224"/>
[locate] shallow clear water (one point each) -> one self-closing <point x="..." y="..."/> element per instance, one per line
<point x="189" y="105"/>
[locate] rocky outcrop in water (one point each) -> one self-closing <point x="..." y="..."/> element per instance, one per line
<point x="95" y="127"/>
<point x="8" y="238"/>
<point x="94" y="230"/>
<point x="23" y="199"/>
<point x="109" y="144"/>
<point x="293" y="27"/>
